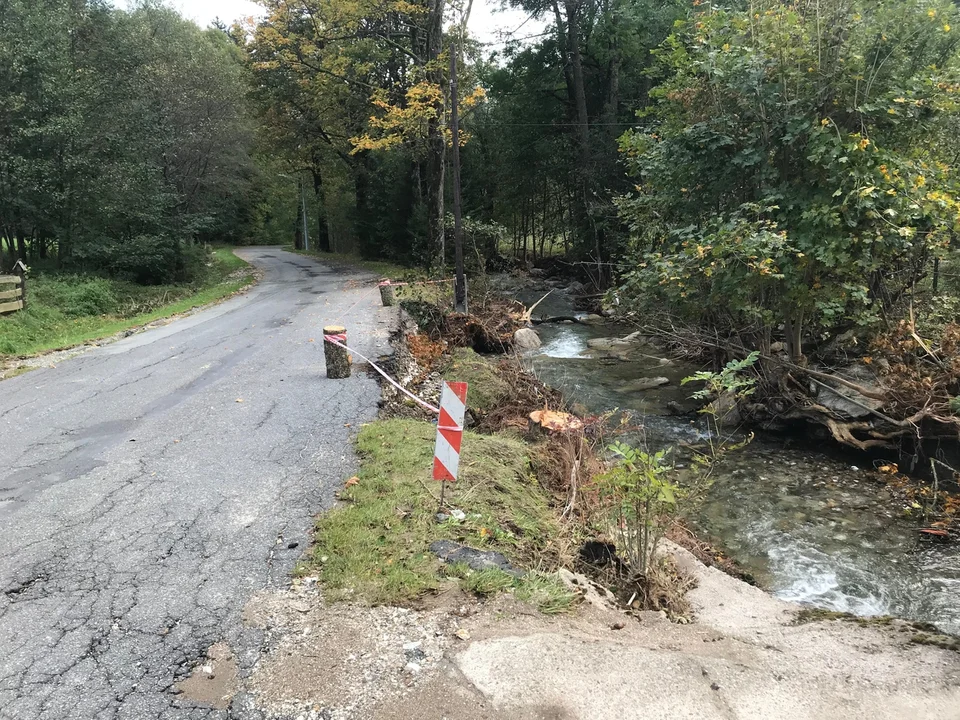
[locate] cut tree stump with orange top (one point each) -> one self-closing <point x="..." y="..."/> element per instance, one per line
<point x="552" y="422"/>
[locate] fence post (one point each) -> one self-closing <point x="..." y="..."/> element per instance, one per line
<point x="21" y="270"/>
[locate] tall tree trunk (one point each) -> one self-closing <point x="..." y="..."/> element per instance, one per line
<point x="323" y="231"/>
<point x="361" y="187"/>
<point x="573" y="71"/>
<point x="576" y="72"/>
<point x="298" y="231"/>
<point x="436" y="145"/>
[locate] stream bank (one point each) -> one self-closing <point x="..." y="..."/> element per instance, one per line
<point x="814" y="527"/>
<point x="451" y="653"/>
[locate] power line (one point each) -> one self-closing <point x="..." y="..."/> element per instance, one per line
<point x="510" y="40"/>
<point x="566" y="124"/>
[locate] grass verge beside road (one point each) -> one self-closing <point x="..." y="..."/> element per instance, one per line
<point x="68" y="310"/>
<point x="374" y="546"/>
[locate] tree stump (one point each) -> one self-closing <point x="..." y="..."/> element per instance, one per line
<point x="388" y="293"/>
<point x="550" y="422"/>
<point x="337" y="358"/>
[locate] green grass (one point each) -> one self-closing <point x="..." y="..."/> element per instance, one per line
<point x="545" y="591"/>
<point x="375" y="545"/>
<point x="487" y="389"/>
<point x="68" y="310"/>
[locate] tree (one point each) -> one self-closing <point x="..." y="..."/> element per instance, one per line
<point x="325" y="69"/>
<point x="556" y="109"/>
<point x="125" y="136"/>
<point x="786" y="178"/>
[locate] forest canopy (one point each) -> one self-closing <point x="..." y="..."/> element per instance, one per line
<point x="125" y="138"/>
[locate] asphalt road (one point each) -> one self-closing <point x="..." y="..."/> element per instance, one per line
<point x="150" y="487"/>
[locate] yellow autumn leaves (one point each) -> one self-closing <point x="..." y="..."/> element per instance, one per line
<point x="409" y="121"/>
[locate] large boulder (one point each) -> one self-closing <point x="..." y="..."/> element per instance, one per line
<point x="726" y="410"/>
<point x="643" y="384"/>
<point x="525" y="340"/>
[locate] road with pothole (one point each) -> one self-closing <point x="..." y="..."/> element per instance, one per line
<point x="148" y="488"/>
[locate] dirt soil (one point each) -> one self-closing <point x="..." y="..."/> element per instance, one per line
<point x="214" y="681"/>
<point x="743" y="656"/>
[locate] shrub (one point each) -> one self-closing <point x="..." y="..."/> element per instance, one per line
<point x="77" y="296"/>
<point x="144" y="259"/>
<point x="796" y="174"/>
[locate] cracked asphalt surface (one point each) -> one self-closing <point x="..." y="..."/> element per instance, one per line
<point x="150" y="487"/>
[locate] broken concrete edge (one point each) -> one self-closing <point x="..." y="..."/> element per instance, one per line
<point x="729" y="603"/>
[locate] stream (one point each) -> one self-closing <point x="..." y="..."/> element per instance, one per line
<point x="811" y="527"/>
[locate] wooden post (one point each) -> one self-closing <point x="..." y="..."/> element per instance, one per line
<point x="388" y="293"/>
<point x="337" y="358"/>
<point x="21" y="270"/>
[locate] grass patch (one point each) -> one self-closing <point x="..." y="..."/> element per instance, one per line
<point x="375" y="545"/>
<point x="67" y="310"/>
<point x="488" y="581"/>
<point x="546" y="592"/>
<point x="487" y="388"/>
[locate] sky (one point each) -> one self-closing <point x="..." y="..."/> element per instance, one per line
<point x="486" y="22"/>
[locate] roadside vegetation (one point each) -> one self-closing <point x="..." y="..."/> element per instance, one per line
<point x="550" y="497"/>
<point x="65" y="309"/>
<point x="375" y="547"/>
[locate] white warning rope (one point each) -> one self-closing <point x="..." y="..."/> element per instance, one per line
<point x="335" y="340"/>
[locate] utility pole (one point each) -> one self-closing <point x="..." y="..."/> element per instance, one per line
<point x="460" y="285"/>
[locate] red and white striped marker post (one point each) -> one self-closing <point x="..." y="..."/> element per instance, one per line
<point x="446" y="457"/>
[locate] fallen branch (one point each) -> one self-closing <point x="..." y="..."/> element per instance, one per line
<point x="865" y="391"/>
<point x="529" y="312"/>
<point x="885" y="418"/>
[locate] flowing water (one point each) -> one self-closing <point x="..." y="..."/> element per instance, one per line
<point x="811" y="527"/>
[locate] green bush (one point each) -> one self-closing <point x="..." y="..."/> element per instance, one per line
<point x="796" y="174"/>
<point x="78" y="296"/>
<point x="144" y="259"/>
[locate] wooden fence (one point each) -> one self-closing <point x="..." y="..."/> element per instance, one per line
<point x="13" y="292"/>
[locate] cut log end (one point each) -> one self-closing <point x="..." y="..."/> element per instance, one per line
<point x="551" y="422"/>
